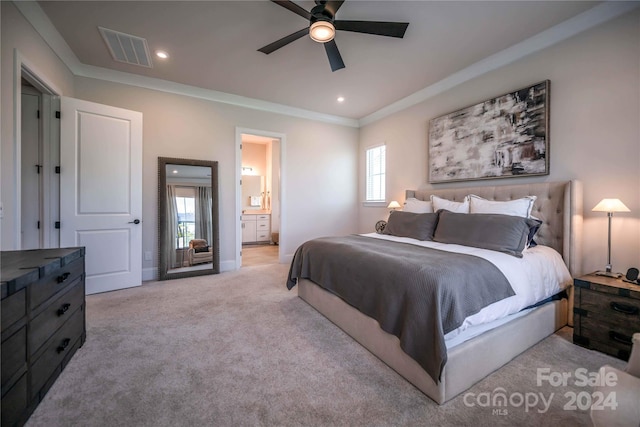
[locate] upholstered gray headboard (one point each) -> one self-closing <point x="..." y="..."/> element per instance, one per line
<point x="558" y="206"/>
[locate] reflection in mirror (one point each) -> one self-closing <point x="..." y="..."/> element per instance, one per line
<point x="188" y="217"/>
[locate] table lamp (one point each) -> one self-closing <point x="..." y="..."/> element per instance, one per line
<point x="393" y="205"/>
<point x="609" y="206"/>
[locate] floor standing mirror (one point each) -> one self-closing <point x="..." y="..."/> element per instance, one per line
<point x="188" y="218"/>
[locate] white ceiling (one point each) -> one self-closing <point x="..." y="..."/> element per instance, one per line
<point x="213" y="45"/>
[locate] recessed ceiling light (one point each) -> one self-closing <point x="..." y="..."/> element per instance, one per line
<point x="162" y="54"/>
<point x="341" y="99"/>
<point x="175" y="171"/>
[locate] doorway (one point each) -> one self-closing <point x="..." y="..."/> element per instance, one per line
<point x="259" y="197"/>
<point x="39" y="154"/>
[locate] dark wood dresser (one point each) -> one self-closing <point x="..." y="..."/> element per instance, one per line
<point x="43" y="324"/>
<point x="606" y="314"/>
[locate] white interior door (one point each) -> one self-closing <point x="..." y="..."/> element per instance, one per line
<point x="101" y="191"/>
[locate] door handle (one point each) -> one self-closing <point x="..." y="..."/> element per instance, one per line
<point x="135" y="221"/>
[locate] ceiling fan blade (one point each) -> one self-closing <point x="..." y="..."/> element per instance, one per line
<point x="284" y="41"/>
<point x="293" y="8"/>
<point x="389" y="29"/>
<point x="333" y="6"/>
<point x="334" y="55"/>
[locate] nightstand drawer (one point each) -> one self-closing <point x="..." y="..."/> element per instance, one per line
<point x="55" y="315"/>
<point x="613" y="308"/>
<point x="593" y="334"/>
<point x="599" y="329"/>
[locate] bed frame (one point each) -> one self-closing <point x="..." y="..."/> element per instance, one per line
<point x="559" y="206"/>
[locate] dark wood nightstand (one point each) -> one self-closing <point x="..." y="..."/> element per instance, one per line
<point x="606" y="314"/>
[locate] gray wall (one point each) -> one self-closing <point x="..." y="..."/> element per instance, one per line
<point x="594" y="134"/>
<point x="320" y="165"/>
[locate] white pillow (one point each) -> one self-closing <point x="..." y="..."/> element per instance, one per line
<point x="417" y="206"/>
<point x="458" y="207"/>
<point x="518" y="207"/>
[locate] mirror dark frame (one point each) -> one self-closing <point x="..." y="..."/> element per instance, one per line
<point x="164" y="274"/>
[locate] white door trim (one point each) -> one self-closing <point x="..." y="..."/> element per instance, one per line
<point x="40" y="80"/>
<point x="238" y="211"/>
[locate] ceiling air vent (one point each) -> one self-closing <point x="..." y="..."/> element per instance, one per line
<point x="127" y="48"/>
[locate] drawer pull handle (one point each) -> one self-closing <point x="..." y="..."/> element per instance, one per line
<point x="620" y="338"/>
<point x="62" y="310"/>
<point x="63" y="277"/>
<point x="623" y="308"/>
<point x="65" y="343"/>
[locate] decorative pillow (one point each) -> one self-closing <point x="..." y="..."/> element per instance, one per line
<point x="533" y="229"/>
<point x="201" y="249"/>
<point x="418" y="206"/>
<point x="410" y="224"/>
<point x="518" y="207"/>
<point x="459" y="207"/>
<point x="502" y="233"/>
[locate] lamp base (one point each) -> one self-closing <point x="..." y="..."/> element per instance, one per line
<point x="608" y="274"/>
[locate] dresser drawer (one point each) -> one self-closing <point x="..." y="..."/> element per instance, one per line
<point x="249" y="217"/>
<point x="262" y="236"/>
<point x="263" y="225"/>
<point x="63" y="342"/>
<point x="55" y="315"/>
<point x="264" y="217"/>
<point x="42" y="290"/>
<point x="14" y="356"/>
<point x="14" y="404"/>
<point x="14" y="308"/>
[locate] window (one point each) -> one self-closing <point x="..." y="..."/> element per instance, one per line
<point x="186" y="221"/>
<point x="375" y="191"/>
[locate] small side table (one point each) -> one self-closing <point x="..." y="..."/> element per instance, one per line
<point x="606" y="314"/>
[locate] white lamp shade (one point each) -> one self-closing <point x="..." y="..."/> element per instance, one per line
<point x="393" y="205"/>
<point x="610" y="205"/>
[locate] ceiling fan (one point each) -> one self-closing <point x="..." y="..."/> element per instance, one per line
<point x="323" y="25"/>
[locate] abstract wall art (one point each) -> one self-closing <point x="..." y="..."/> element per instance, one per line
<point x="507" y="136"/>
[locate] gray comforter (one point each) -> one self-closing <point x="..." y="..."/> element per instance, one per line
<point x="417" y="294"/>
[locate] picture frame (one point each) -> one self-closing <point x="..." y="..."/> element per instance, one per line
<point x="503" y="137"/>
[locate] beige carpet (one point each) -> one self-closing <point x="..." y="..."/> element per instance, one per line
<point x="238" y="349"/>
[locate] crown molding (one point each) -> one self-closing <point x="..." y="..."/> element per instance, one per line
<point x="579" y="23"/>
<point x="593" y="17"/>
<point x="34" y="14"/>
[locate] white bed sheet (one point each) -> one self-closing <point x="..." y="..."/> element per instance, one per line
<point x="539" y="274"/>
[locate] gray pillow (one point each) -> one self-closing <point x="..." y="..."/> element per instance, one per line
<point x="502" y="233"/>
<point x="418" y="226"/>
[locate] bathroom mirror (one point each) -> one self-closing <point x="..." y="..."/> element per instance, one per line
<point x="187" y="218"/>
<point x="253" y="192"/>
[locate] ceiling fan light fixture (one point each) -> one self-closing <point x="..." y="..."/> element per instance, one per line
<point x="322" y="31"/>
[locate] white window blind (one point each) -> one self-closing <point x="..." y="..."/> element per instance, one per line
<point x="376" y="163"/>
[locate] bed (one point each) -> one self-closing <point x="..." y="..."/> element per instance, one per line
<point x="559" y="207"/>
